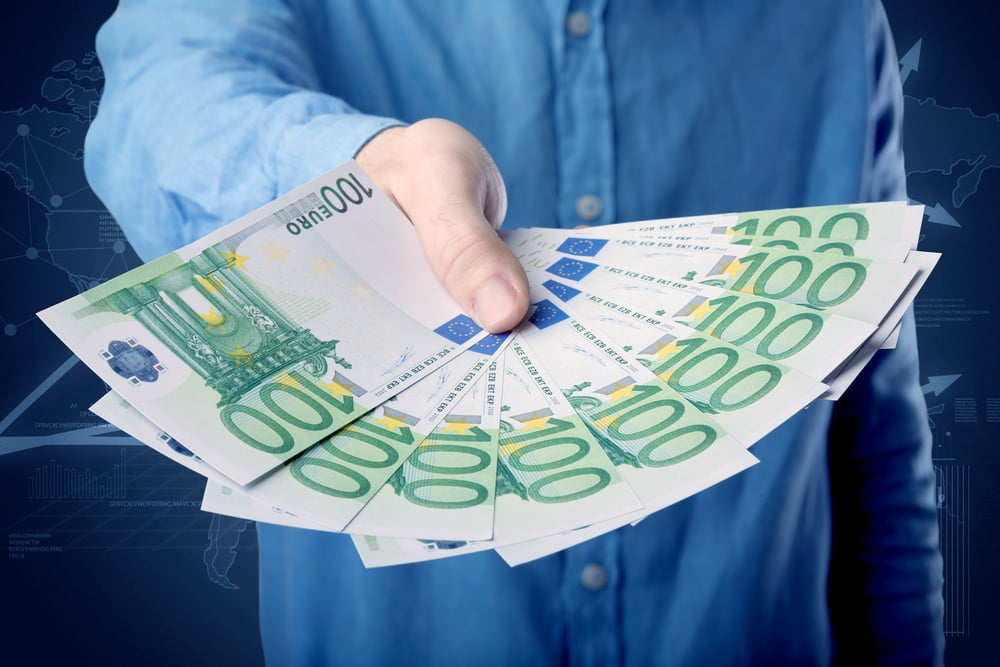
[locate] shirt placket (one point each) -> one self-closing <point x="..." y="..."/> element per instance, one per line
<point x="584" y="131"/>
<point x="583" y="116"/>
<point x="591" y="590"/>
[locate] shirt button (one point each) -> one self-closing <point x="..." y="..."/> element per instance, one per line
<point x="578" y="24"/>
<point x="593" y="577"/>
<point x="589" y="207"/>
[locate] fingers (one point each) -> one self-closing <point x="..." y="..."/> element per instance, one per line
<point x="446" y="183"/>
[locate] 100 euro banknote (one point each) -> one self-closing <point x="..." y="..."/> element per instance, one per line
<point x="879" y="221"/>
<point x="330" y="482"/>
<point x="254" y="342"/>
<point x="812" y="341"/>
<point x="855" y="287"/>
<point x="446" y="488"/>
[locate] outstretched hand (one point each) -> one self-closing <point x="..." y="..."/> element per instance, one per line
<point x="449" y="187"/>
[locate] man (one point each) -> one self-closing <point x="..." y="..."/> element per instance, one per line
<point x="593" y="111"/>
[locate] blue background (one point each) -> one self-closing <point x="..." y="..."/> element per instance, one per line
<point x="107" y="558"/>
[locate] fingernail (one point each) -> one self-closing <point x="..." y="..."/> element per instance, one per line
<point x="493" y="303"/>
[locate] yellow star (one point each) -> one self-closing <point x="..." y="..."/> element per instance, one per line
<point x="287" y="380"/>
<point x="211" y="283"/>
<point x="734" y="232"/>
<point x="391" y="423"/>
<point x="733" y="268"/>
<point x="240" y="356"/>
<point x="459" y="425"/>
<point x="235" y="259"/>
<point x="213" y="320"/>
<point x="666" y="350"/>
<point x="275" y="253"/>
<point x="747" y="289"/>
<point x="534" y="422"/>
<point x="605" y="422"/>
<point x="336" y="389"/>
<point x="665" y="375"/>
<point x="621" y="392"/>
<point x="362" y="292"/>
<point x="507" y="450"/>
<point x="321" y="265"/>
<point x="700" y="311"/>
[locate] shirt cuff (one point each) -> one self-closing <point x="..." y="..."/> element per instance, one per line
<point x="317" y="146"/>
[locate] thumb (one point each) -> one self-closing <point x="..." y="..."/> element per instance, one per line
<point x="447" y="184"/>
<point x="475" y="266"/>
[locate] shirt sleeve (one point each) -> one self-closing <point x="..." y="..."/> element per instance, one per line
<point x="885" y="586"/>
<point x="210" y="109"/>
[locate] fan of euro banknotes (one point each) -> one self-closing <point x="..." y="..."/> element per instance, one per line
<point x="306" y="361"/>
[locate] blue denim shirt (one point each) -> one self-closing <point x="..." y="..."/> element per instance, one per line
<point x="595" y="111"/>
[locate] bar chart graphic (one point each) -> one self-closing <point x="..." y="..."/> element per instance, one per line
<point x="54" y="481"/>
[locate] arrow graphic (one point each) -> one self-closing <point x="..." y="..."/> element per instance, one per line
<point x="37" y="392"/>
<point x="938" y="214"/>
<point x="938" y="383"/>
<point x="93" y="435"/>
<point x="910" y="62"/>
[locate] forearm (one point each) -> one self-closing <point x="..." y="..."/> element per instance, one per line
<point x="886" y="579"/>
<point x="886" y="574"/>
<point x="210" y="109"/>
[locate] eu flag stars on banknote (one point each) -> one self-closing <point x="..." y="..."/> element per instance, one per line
<point x="283" y="358"/>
